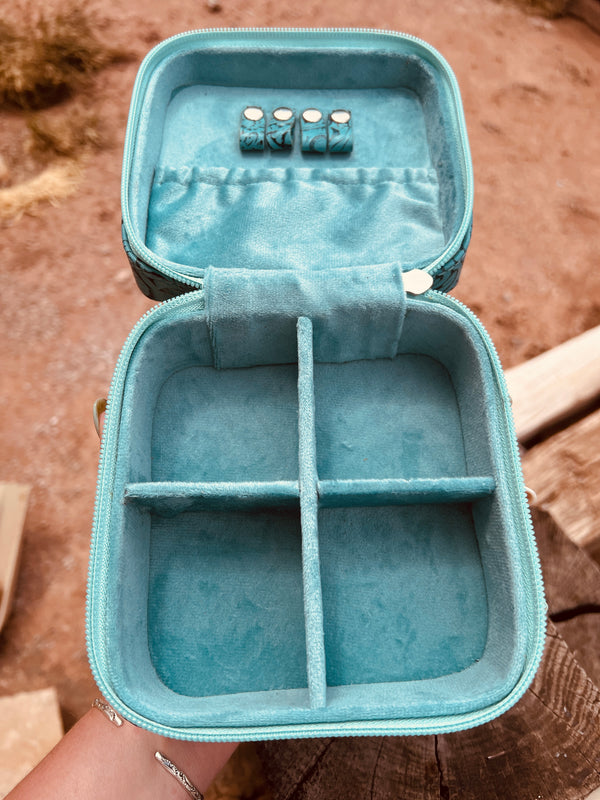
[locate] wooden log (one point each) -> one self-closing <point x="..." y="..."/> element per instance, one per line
<point x="564" y="471"/>
<point x="546" y="746"/>
<point x="555" y="385"/>
<point x="572" y="579"/>
<point x="13" y="507"/>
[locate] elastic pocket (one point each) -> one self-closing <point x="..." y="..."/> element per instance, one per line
<point x="294" y="218"/>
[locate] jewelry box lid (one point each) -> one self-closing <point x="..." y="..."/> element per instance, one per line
<point x="194" y="196"/>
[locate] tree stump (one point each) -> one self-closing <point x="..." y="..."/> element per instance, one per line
<point x="547" y="747"/>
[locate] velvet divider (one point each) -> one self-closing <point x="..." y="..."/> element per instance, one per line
<point x="339" y="521"/>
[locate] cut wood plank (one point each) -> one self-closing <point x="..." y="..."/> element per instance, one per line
<point x="571" y="577"/>
<point x="564" y="471"/>
<point x="30" y="726"/>
<point x="555" y="385"/>
<point x="545" y="746"/>
<point x="13" y="507"/>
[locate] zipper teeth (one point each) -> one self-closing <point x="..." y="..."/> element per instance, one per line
<point x="139" y="247"/>
<point x="442" y="725"/>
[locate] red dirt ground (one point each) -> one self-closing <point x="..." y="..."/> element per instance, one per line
<point x="531" y="90"/>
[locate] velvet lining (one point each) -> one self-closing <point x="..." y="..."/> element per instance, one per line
<point x="196" y="200"/>
<point x="274" y="218"/>
<point x="355" y="313"/>
<point x="314" y="541"/>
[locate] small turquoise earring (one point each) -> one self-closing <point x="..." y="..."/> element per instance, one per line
<point x="314" y="131"/>
<point x="252" y="129"/>
<point x="340" y="131"/>
<point x="280" y="129"/>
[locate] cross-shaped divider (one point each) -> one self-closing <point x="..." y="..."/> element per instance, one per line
<point x="331" y="501"/>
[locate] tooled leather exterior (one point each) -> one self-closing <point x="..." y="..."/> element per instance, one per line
<point x="447" y="277"/>
<point x="151" y="282"/>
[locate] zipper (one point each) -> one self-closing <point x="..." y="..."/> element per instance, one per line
<point x="510" y="446"/>
<point x="530" y="564"/>
<point x="107" y="456"/>
<point x="459" y="136"/>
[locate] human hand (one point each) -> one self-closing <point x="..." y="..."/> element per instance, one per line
<point x="98" y="760"/>
<point x="101" y="760"/>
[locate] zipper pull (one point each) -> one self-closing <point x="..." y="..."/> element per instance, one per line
<point x="417" y="281"/>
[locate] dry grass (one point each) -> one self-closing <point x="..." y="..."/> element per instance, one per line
<point x="45" y="56"/>
<point x="56" y="182"/>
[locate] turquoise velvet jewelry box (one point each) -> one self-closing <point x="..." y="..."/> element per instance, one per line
<point x="310" y="519"/>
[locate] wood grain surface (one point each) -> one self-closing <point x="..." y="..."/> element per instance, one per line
<point x="564" y="471"/>
<point x="547" y="747"/>
<point x="555" y="384"/>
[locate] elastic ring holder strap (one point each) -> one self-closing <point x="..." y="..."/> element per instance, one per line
<point x="340" y="131"/>
<point x="313" y="131"/>
<point x="252" y="129"/>
<point x="280" y="129"/>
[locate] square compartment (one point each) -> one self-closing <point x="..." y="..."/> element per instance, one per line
<point x="337" y="585"/>
<point x="226" y="425"/>
<point x="396" y="418"/>
<point x="404" y="595"/>
<point x="225" y="608"/>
